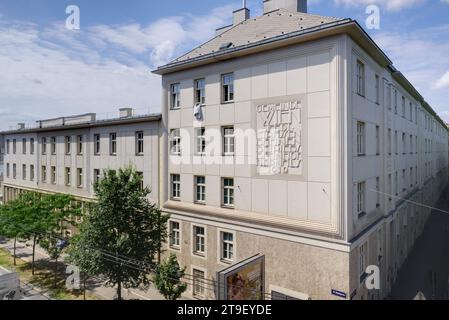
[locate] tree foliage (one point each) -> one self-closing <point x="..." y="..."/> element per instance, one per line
<point x="122" y="232"/>
<point x="168" y="279"/>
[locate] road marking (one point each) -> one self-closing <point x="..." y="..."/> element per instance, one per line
<point x="139" y="295"/>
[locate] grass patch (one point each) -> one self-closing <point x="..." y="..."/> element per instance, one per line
<point x="44" y="277"/>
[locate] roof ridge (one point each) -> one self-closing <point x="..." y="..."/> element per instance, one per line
<point x="309" y="14"/>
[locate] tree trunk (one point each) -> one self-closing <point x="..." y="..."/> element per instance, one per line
<point x="34" y="252"/>
<point x="14" y="254"/>
<point x="119" y="290"/>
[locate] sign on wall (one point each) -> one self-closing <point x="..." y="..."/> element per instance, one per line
<point x="243" y="281"/>
<point x="279" y="147"/>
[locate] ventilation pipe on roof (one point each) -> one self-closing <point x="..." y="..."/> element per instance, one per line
<point x="290" y="5"/>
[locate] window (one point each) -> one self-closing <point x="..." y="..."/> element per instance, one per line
<point x="390" y="187"/>
<point x="378" y="192"/>
<point x="389" y="142"/>
<point x="140" y="174"/>
<point x="227" y="246"/>
<point x="377" y="89"/>
<point x="31" y="146"/>
<point x="31" y="172"/>
<point x="362" y="261"/>
<point x="53" y="145"/>
<point x="396" y="183"/>
<point x="68" y="142"/>
<point x="396" y="142"/>
<point x="14" y="146"/>
<point x="24" y="146"/>
<point x="377" y="140"/>
<point x="97" y="175"/>
<point x="24" y="171"/>
<point x="404" y="147"/>
<point x="175" y="142"/>
<point x="201" y="141"/>
<point x="200" y="93"/>
<point x="404" y="181"/>
<point x="79" y="143"/>
<point x="53" y="175"/>
<point x="175" y="186"/>
<point x="360" y="78"/>
<point x="97" y="144"/>
<point x="175" y="96"/>
<point x="200" y="188"/>
<point x="79" y="178"/>
<point x="360" y="138"/>
<point x="199" y="240"/>
<point x="44" y="146"/>
<point x="139" y="143"/>
<point x="198" y="283"/>
<point x="411" y="177"/>
<point x="403" y="107"/>
<point x="174" y="234"/>
<point x="7" y="170"/>
<point x="67" y="176"/>
<point x="7" y="146"/>
<point x="361" y="210"/>
<point x="227" y="87"/>
<point x="14" y="171"/>
<point x="228" y="192"/>
<point x="411" y="112"/>
<point x="228" y="141"/>
<point x="411" y="144"/>
<point x="113" y="144"/>
<point x="44" y="174"/>
<point x="395" y="101"/>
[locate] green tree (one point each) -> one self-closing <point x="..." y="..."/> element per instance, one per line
<point x="122" y="232"/>
<point x="168" y="279"/>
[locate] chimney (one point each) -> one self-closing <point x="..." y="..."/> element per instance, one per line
<point x="21" y="126"/>
<point x="290" y="5"/>
<point x="126" y="112"/>
<point x="240" y="15"/>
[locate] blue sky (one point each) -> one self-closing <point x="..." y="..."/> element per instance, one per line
<point x="47" y="70"/>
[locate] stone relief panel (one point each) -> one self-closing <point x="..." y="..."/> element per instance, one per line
<point x="279" y="138"/>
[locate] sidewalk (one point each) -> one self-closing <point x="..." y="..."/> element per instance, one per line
<point x="24" y="252"/>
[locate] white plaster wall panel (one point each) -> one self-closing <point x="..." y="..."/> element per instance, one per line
<point x="319" y="137"/>
<point x="187" y="94"/>
<point x="243" y="194"/>
<point x="213" y="89"/>
<point x="227" y="113"/>
<point x="318" y="72"/>
<point x="244" y="145"/>
<point x="366" y="167"/>
<point x="174" y="164"/>
<point x="364" y="110"/>
<point x="259" y="197"/>
<point x="278" y="198"/>
<point x="242" y="168"/>
<point x="297" y="199"/>
<point x="318" y="104"/>
<point x="277" y="79"/>
<point x="242" y="81"/>
<point x="243" y="112"/>
<point x="297" y="76"/>
<point x="227" y="170"/>
<point x="187" y="117"/>
<point x="213" y="187"/>
<point x="198" y="168"/>
<point x="319" y="169"/>
<point x="319" y="198"/>
<point x="187" y="187"/>
<point x="213" y="169"/>
<point x="259" y="82"/>
<point x="211" y="115"/>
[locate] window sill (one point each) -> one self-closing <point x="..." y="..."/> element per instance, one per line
<point x="199" y="254"/>
<point x="200" y="203"/>
<point x="175" y="248"/>
<point x="226" y="261"/>
<point x="176" y="199"/>
<point x="139" y="154"/>
<point x="173" y="109"/>
<point x="377" y="206"/>
<point x="361" y="155"/>
<point x="227" y="207"/>
<point x="227" y="102"/>
<point x="361" y="215"/>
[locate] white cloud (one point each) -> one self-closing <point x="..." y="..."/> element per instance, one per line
<point x="52" y="71"/>
<point x="443" y="82"/>
<point x="391" y="5"/>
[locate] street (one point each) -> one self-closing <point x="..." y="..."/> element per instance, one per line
<point x="426" y="270"/>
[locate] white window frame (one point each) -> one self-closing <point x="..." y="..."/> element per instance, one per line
<point x="175" y="186"/>
<point x="79" y="178"/>
<point x="363" y="255"/>
<point x="228" y="192"/>
<point x="32" y="172"/>
<point x="24" y="172"/>
<point x="97" y="144"/>
<point x="377" y="84"/>
<point x="228" y="141"/>
<point x="361" y="198"/>
<point x="227" y="87"/>
<point x="113" y="143"/>
<point x="14" y="171"/>
<point x="24" y="146"/>
<point x="8" y="170"/>
<point x="175" y="142"/>
<point x="202" y="240"/>
<point x="200" y="141"/>
<point x="139" y="143"/>
<point x="200" y="189"/>
<point x="67" y="175"/>
<point x="361" y="139"/>
<point x="53" y="175"/>
<point x="378" y="192"/>
<point x="222" y="243"/>
<point x="44" y="145"/>
<point x="171" y="232"/>
<point x="79" y="145"/>
<point x="31" y="146"/>
<point x="53" y="145"/>
<point x="202" y="285"/>
<point x="97" y="175"/>
<point x="175" y="96"/>
<point x="360" y="78"/>
<point x="378" y="140"/>
<point x="199" y="87"/>
<point x="68" y="145"/>
<point x="44" y="174"/>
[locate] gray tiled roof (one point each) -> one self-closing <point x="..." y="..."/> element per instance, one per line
<point x="274" y="24"/>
